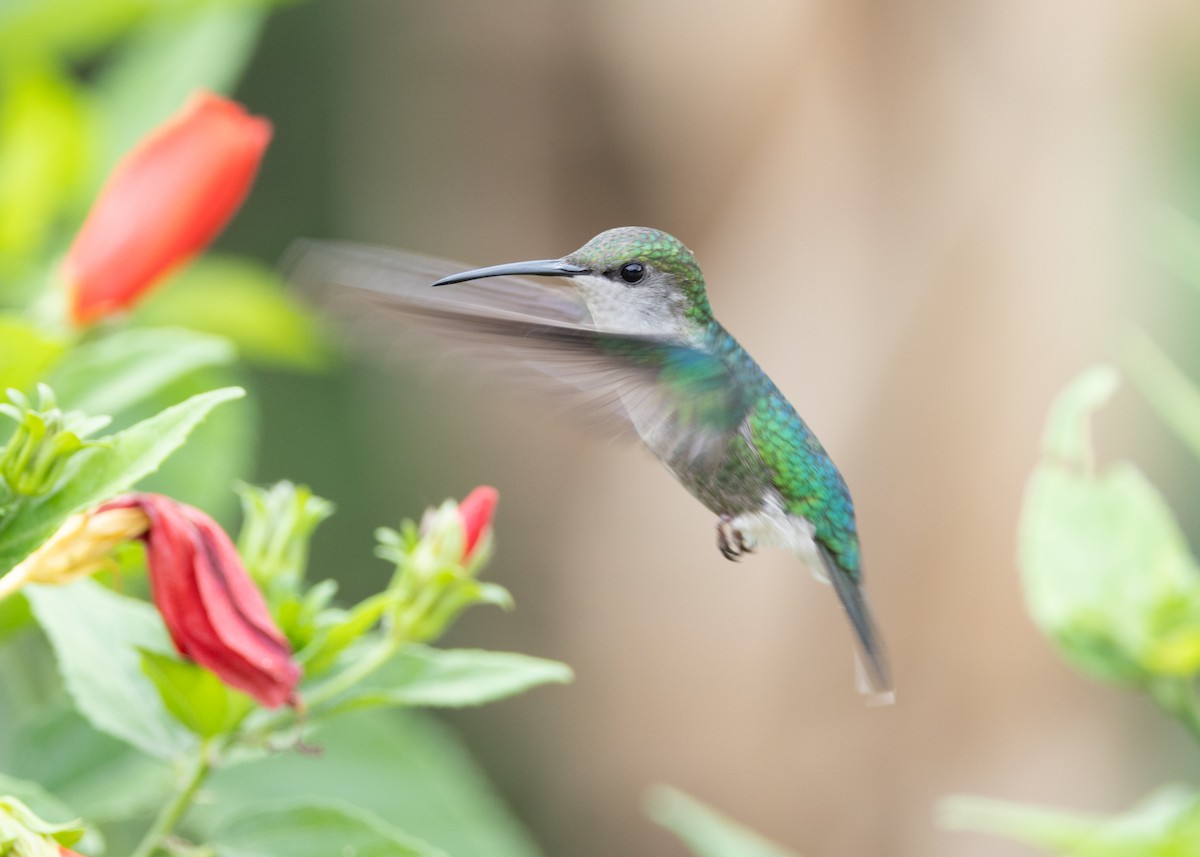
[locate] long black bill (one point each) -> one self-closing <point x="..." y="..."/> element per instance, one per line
<point x="540" y="268"/>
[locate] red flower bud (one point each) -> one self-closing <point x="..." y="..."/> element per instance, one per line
<point x="476" y="511"/>
<point x="214" y="612"/>
<point x="164" y="202"/>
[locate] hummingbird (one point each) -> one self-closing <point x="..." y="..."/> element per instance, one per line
<point x="625" y="321"/>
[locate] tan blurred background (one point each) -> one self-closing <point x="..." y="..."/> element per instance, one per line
<point x="917" y="214"/>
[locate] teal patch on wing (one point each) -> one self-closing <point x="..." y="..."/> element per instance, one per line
<point x="697" y="386"/>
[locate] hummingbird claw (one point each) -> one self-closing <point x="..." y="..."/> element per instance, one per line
<point x="732" y="539"/>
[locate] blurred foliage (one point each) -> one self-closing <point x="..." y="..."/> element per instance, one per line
<point x="400" y="766"/>
<point x="269" y="329"/>
<point x="1109" y="577"/>
<point x="113" y="465"/>
<point x="1107" y="570"/>
<point x="315" y="829"/>
<point x="705" y="831"/>
<point x="126" y="724"/>
<point x="23" y="830"/>
<point x="1166" y="824"/>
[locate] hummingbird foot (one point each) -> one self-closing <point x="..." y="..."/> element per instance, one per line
<point x="732" y="540"/>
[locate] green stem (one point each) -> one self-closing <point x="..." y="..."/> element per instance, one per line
<point x="356" y="672"/>
<point x="334" y="687"/>
<point x="175" y="808"/>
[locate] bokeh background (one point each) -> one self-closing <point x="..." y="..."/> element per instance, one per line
<point x="922" y="217"/>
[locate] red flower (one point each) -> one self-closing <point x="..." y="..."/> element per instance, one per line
<point x="216" y="615"/>
<point x="476" y="511"/>
<point x="164" y="202"/>
<point x="64" y="851"/>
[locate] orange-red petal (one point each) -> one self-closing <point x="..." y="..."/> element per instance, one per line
<point x="476" y="510"/>
<point x="215" y="614"/>
<point x="164" y="202"/>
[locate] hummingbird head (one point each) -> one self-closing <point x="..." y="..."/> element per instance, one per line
<point x="633" y="278"/>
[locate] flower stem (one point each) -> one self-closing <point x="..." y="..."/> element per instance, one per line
<point x="360" y="669"/>
<point x="379" y="655"/>
<point x="175" y="808"/>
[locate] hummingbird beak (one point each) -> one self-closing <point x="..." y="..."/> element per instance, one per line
<point x="540" y="268"/>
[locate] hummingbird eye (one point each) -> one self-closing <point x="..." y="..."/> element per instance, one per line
<point x="632" y="272"/>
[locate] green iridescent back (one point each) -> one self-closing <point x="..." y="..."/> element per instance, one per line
<point x="794" y="461"/>
<point x="807" y="478"/>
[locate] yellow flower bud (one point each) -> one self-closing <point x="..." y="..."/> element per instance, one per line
<point x="82" y="546"/>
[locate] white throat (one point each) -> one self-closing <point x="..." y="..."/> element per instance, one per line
<point x="650" y="309"/>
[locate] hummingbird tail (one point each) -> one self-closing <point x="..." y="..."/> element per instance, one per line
<point x="877" y="677"/>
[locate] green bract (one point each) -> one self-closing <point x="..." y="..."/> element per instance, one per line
<point x="432" y="584"/>
<point x="1107" y="570"/>
<point x="116" y="462"/>
<point x="278" y="523"/>
<point x="45" y="438"/>
<point x="24" y="834"/>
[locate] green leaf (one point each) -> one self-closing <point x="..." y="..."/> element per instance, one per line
<point x="453" y="678"/>
<point x="34" y="796"/>
<point x="99" y="777"/>
<point x="1172" y="395"/>
<point x="405" y="768"/>
<point x="67" y="26"/>
<point x="97" y="635"/>
<point x="705" y="831"/>
<point x="26" y="352"/>
<point x="316" y="829"/>
<point x="130" y="366"/>
<point x="1107" y="573"/>
<point x="1166" y="824"/>
<point x="101" y="472"/>
<point x="194" y="696"/>
<point x="14" y="615"/>
<point x="1174" y="240"/>
<point x="218" y="453"/>
<point x="243" y="301"/>
<point x="60" y="819"/>
<point x="1106" y="568"/>
<point x="43" y="148"/>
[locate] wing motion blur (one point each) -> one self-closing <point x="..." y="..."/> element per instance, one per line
<point x="529" y="328"/>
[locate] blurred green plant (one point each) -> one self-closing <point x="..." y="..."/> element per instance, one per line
<point x="1165" y="824"/>
<point x="24" y="834"/>
<point x="1110" y="579"/>
<point x="106" y="714"/>
<point x="705" y="831"/>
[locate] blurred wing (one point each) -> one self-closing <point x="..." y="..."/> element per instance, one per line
<point x="332" y="271"/>
<point x="514" y="325"/>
